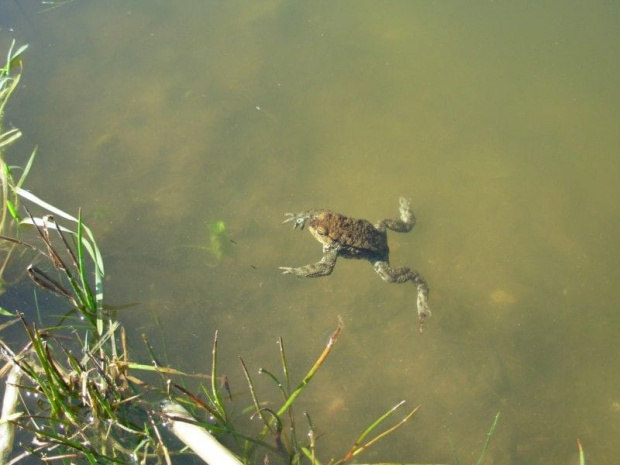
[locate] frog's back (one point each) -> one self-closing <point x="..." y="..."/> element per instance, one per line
<point x="357" y="238"/>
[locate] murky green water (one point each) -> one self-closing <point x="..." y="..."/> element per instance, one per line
<point x="499" y="120"/>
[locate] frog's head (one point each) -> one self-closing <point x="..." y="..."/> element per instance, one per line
<point x="321" y="228"/>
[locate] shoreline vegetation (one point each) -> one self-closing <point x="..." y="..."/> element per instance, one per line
<point x="71" y="391"/>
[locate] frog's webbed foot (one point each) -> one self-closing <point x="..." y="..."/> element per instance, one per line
<point x="287" y="269"/>
<point x="403" y="275"/>
<point x="406" y="213"/>
<point x="298" y="219"/>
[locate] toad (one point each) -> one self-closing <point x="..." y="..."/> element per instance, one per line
<point x="346" y="237"/>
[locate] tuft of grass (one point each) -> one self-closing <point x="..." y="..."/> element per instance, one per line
<point x="292" y="449"/>
<point x="8" y="81"/>
<point x="10" y="75"/>
<point x="360" y="446"/>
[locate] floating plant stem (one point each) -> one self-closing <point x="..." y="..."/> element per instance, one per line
<point x="488" y="441"/>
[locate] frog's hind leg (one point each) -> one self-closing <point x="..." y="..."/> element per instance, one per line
<point x="404" y="224"/>
<point x="402" y="275"/>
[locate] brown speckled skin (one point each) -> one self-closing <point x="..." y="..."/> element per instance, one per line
<point x="356" y="238"/>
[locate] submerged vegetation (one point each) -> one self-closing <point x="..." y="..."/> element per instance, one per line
<point x="73" y="393"/>
<point x="218" y="243"/>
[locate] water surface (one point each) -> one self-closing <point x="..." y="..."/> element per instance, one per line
<point x="499" y="120"/>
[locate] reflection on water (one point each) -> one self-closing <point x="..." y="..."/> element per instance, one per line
<point x="163" y="118"/>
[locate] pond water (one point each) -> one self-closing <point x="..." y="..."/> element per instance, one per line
<point x="498" y="119"/>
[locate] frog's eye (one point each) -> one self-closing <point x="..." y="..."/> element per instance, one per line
<point x="321" y="231"/>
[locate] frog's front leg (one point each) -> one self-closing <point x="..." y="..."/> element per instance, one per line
<point x="405" y="223"/>
<point x="402" y="275"/>
<point x="298" y="219"/>
<point x="318" y="269"/>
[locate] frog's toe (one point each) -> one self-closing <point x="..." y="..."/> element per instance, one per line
<point x="298" y="220"/>
<point x="286" y="269"/>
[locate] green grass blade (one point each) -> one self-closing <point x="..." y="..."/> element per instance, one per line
<point x="378" y="421"/>
<point x="27" y="168"/>
<point x="582" y="458"/>
<point x="277" y="382"/>
<point x="285" y="369"/>
<point x="257" y="406"/>
<point x="304" y="382"/>
<point x="217" y="399"/>
<point x="82" y="268"/>
<point x="7" y="91"/>
<point x="12" y="210"/>
<point x="12" y="57"/>
<point x="358" y="447"/>
<point x="487" y="442"/>
<point x="9" y="137"/>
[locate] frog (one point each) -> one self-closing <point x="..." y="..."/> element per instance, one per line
<point x="346" y="237"/>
